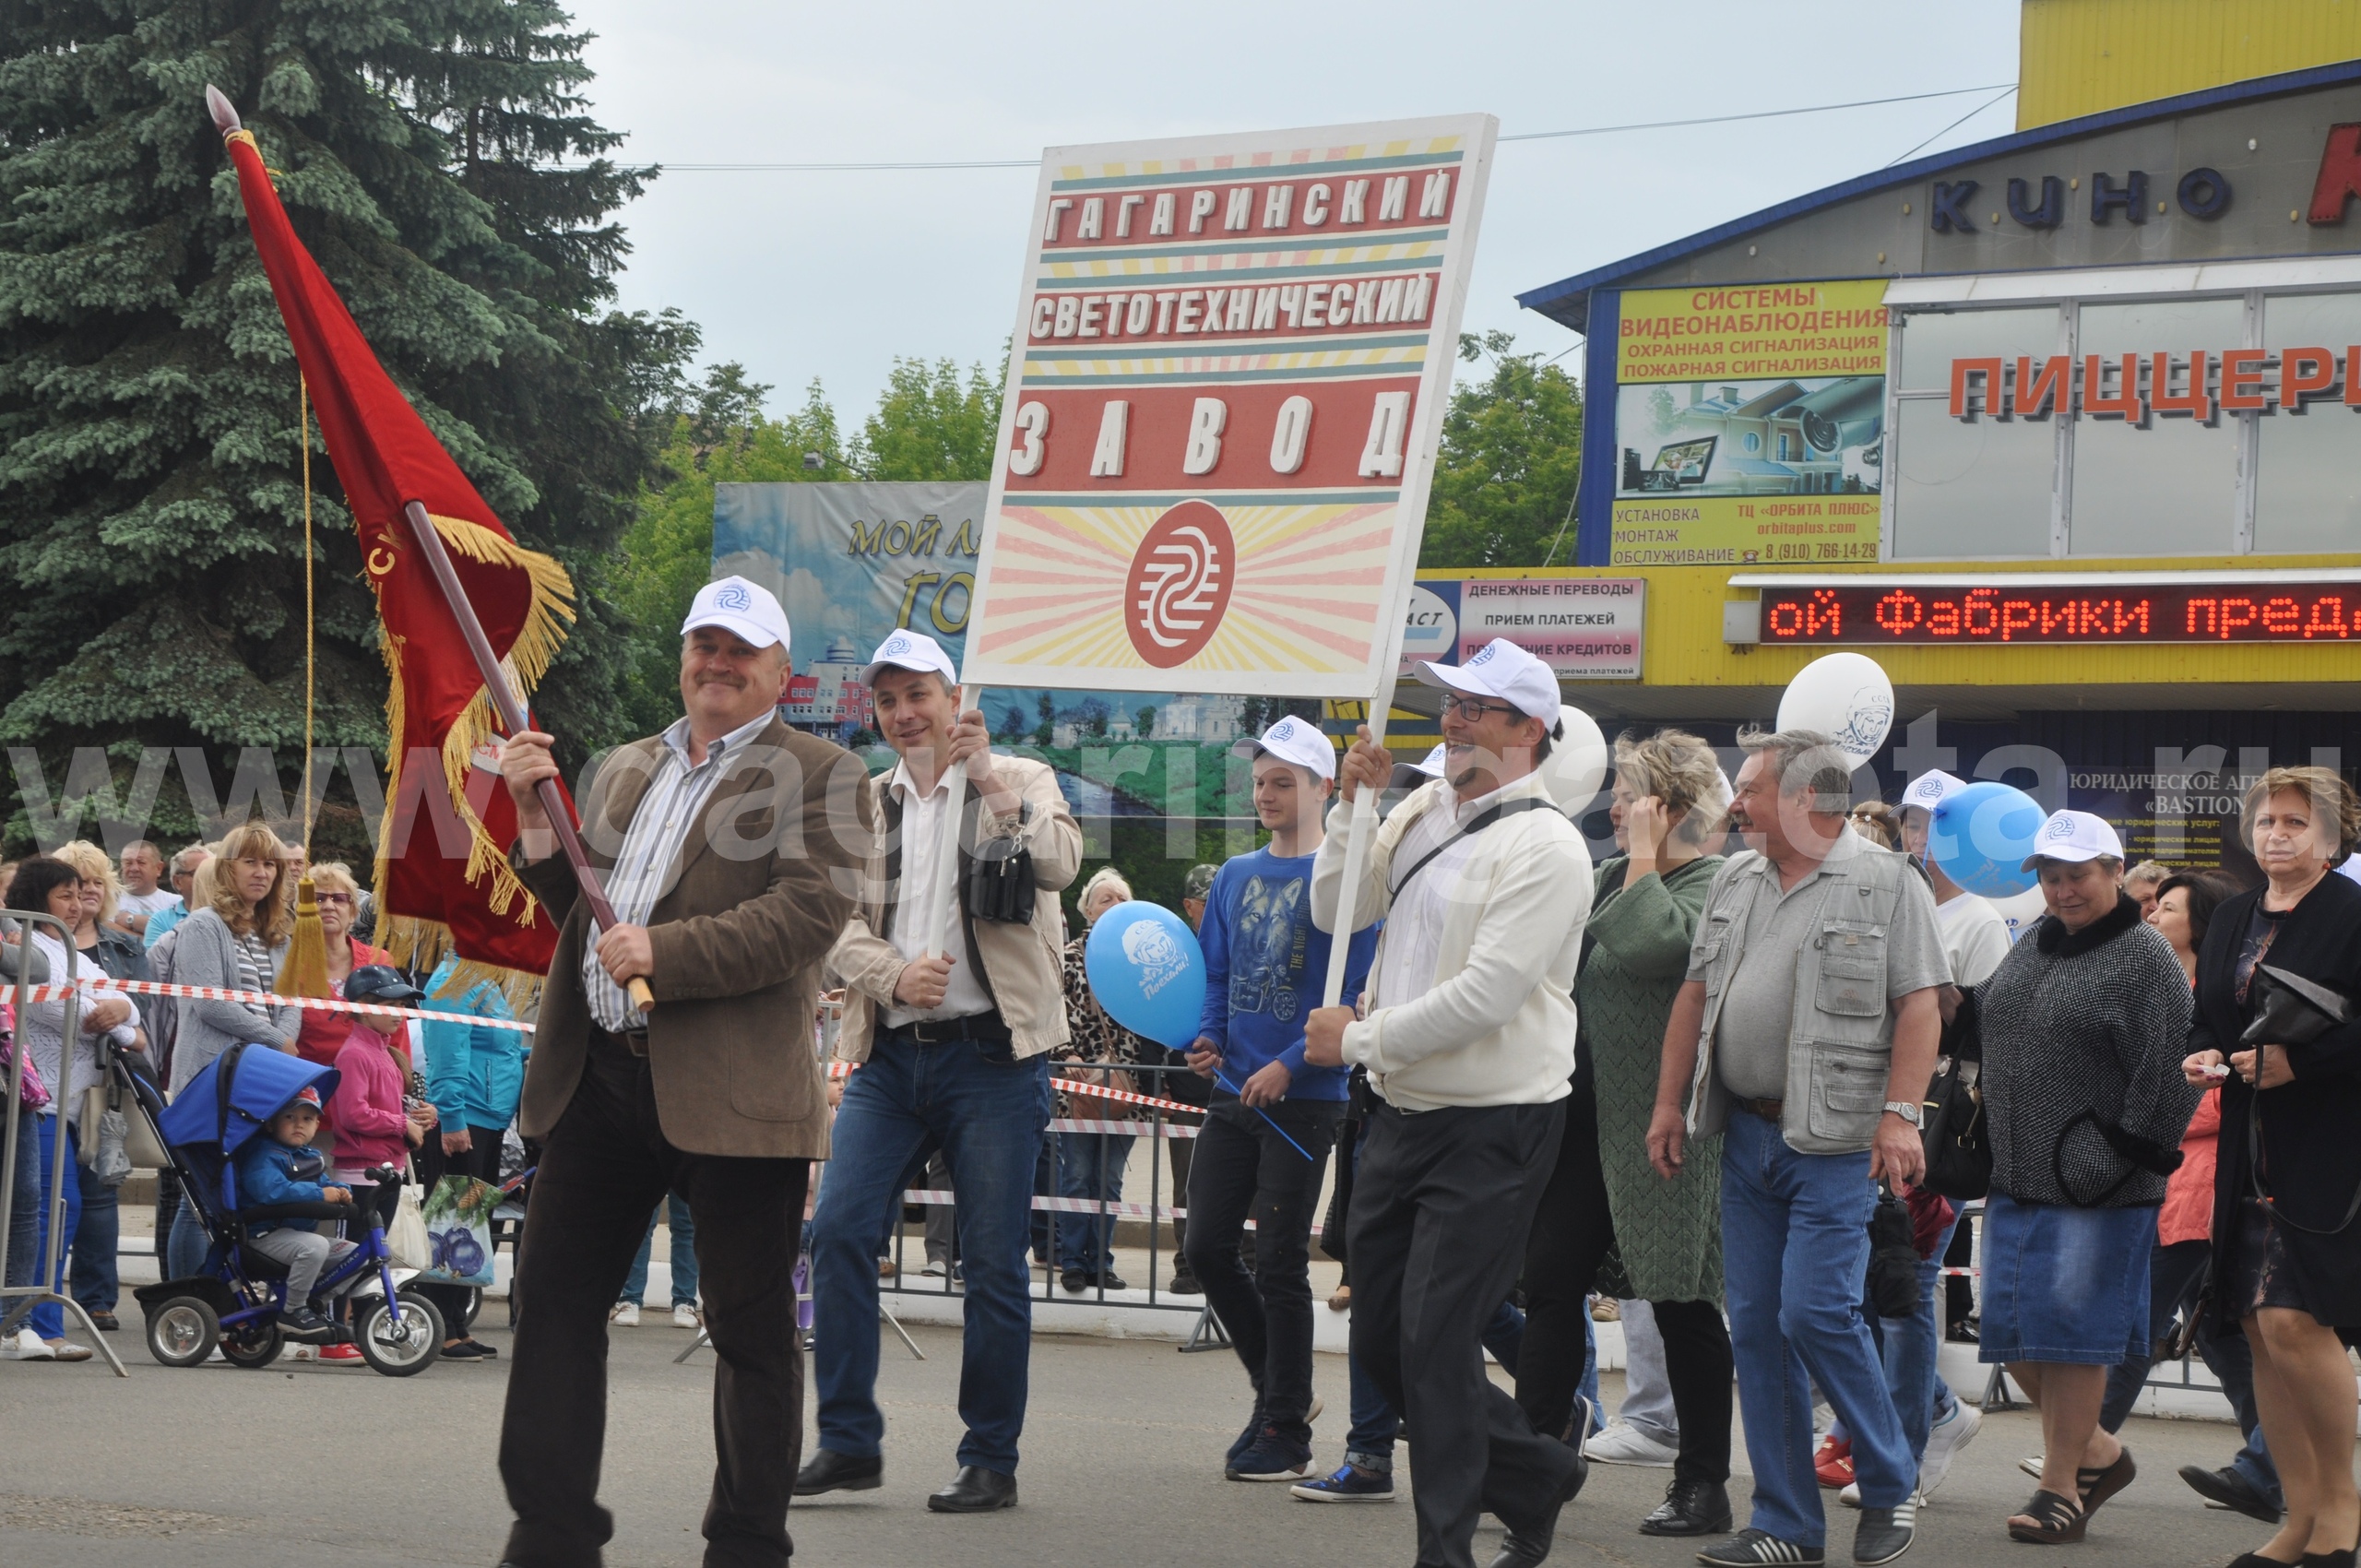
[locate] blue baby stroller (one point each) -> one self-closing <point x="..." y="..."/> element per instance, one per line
<point x="237" y="1300"/>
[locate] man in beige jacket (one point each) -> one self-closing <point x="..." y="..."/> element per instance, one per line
<point x="726" y="843"/>
<point x="953" y="1054"/>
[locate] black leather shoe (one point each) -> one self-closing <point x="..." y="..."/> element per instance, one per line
<point x="2227" y="1489"/>
<point x="975" y="1491"/>
<point x="829" y="1471"/>
<point x="1691" y="1508"/>
<point x="1524" y="1546"/>
<point x="1075" y="1281"/>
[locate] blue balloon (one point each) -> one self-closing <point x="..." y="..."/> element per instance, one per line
<point x="1145" y="968"/>
<point x="1980" y="837"/>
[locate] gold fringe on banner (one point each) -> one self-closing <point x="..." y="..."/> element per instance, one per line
<point x="421" y="944"/>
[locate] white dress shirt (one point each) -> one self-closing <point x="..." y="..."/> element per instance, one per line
<point x="965" y="997"/>
<point x="1414" y="926"/>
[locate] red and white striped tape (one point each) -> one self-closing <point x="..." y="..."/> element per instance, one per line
<point x="1089" y="1091"/>
<point x="1063" y="1206"/>
<point x="57" y="992"/>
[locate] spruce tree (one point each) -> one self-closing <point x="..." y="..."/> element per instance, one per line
<point x="438" y="159"/>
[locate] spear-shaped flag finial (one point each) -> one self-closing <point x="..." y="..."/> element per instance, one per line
<point x="224" y="112"/>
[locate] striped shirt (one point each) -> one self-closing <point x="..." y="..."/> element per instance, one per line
<point x="650" y="855"/>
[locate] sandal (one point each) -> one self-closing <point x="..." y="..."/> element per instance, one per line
<point x="2098" y="1485"/>
<point x="2057" y="1521"/>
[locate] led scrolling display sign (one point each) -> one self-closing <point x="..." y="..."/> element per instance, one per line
<point x="1883" y="612"/>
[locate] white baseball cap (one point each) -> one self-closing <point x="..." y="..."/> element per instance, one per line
<point x="1431" y="763"/>
<point x="1292" y="740"/>
<point x="1501" y="669"/>
<point x="907" y="649"/>
<point x="736" y="605"/>
<point x="1931" y="789"/>
<point x="2073" y="836"/>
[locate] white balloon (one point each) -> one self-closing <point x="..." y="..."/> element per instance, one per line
<point x="1845" y="697"/>
<point x="1576" y="765"/>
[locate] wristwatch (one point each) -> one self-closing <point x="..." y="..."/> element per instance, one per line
<point x="1909" y="1111"/>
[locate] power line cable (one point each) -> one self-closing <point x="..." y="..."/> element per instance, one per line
<point x="898" y="166"/>
<point x="1955" y="125"/>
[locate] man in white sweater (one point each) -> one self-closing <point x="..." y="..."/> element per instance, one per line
<point x="1469" y="1041"/>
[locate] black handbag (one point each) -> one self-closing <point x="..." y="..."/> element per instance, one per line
<point x="2288" y="1010"/>
<point x="1951" y="1126"/>
<point x="1892" y="1283"/>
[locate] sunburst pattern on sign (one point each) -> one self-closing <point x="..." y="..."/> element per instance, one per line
<point x="1310" y="577"/>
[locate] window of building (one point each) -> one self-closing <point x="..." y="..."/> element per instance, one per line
<point x="2084" y="482"/>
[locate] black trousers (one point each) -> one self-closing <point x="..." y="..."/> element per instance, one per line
<point x="1572" y="1231"/>
<point x="1442" y="1202"/>
<point x="605" y="1167"/>
<point x="1243" y="1168"/>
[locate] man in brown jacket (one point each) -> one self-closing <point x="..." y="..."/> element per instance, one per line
<point x="953" y="1049"/>
<point x="727" y="845"/>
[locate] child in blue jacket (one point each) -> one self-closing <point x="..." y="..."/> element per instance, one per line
<point x="280" y="1167"/>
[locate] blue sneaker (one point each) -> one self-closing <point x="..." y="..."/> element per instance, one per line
<point x="1245" y="1439"/>
<point x="1272" y="1457"/>
<point x="1349" y="1484"/>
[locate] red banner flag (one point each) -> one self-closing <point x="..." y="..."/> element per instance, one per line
<point x="444" y="881"/>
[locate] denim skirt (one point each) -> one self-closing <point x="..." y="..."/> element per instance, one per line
<point x="2062" y="1283"/>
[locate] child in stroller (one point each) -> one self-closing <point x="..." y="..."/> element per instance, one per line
<point x="242" y="1300"/>
<point x="282" y="1168"/>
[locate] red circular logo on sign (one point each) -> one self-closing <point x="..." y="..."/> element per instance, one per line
<point x="1179" y="585"/>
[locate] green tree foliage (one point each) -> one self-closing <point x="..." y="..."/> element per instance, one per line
<point x="1511" y="452"/>
<point x="438" y="159"/>
<point x="932" y="422"/>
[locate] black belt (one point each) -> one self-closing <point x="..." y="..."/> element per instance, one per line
<point x="632" y="1043"/>
<point x="985" y="1026"/>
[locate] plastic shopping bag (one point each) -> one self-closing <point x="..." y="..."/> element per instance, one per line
<point x="458" y="1230"/>
<point x="406" y="1237"/>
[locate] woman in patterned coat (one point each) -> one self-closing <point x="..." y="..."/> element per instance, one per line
<point x="1670" y="798"/>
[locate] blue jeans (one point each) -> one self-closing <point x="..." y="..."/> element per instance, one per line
<point x="1907" y="1349"/>
<point x="97" y="1279"/>
<point x="48" y="1320"/>
<point x="1369" y="1445"/>
<point x="987" y="1116"/>
<point x="1090" y="1166"/>
<point x="23" y="1262"/>
<point x="685" y="1257"/>
<point x="1795" y="1251"/>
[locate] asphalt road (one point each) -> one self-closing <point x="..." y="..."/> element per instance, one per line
<point x="302" y="1464"/>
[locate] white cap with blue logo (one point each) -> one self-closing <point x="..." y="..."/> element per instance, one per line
<point x="1293" y="740"/>
<point x="907" y="649"/>
<point x="748" y="608"/>
<point x="2073" y="836"/>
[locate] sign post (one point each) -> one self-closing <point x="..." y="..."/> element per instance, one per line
<point x="1231" y="360"/>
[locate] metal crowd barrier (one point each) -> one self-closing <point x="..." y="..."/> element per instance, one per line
<point x="1103" y="1203"/>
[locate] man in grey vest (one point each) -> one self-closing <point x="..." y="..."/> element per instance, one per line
<point x="1806" y="1032"/>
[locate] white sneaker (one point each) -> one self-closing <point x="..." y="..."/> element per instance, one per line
<point x="624" y="1316"/>
<point x="685" y="1316"/>
<point x="26" y="1346"/>
<point x="935" y="1269"/>
<point x="1622" y="1445"/>
<point x="1944" y="1439"/>
<point x="2031" y="1465"/>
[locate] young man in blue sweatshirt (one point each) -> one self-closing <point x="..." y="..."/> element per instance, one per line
<point x="1265" y="966"/>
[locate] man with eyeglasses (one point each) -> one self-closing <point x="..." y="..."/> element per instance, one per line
<point x="1484" y="884"/>
<point x="184" y="868"/>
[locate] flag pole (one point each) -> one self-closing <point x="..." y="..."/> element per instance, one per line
<point x="940" y="903"/>
<point x="512" y="718"/>
<point x="1357" y="836"/>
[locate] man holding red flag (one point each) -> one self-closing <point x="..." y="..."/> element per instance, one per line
<point x="674" y="1049"/>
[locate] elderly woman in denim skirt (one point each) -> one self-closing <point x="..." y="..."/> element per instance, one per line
<point x="2084" y="1027"/>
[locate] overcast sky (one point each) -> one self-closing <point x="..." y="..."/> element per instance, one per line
<point x="831" y="275"/>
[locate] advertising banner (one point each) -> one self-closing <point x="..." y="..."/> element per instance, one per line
<point x="1750" y="424"/>
<point x="1583" y="627"/>
<point x="1231" y="358"/>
